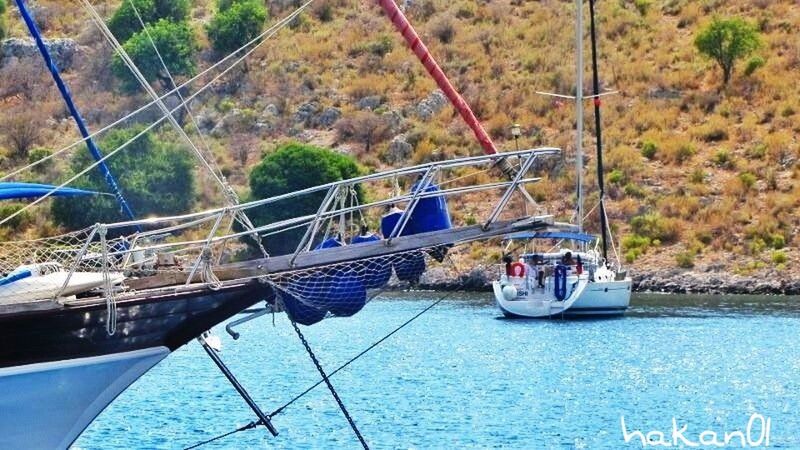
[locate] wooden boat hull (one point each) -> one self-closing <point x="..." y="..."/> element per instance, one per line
<point x="59" y="366"/>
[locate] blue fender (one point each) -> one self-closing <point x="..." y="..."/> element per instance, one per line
<point x="560" y="282"/>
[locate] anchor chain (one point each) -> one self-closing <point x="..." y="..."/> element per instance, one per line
<point x="329" y="384"/>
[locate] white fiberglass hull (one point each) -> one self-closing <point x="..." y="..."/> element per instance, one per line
<point x="591" y="299"/>
<point x="48" y="405"/>
<point x="603" y="298"/>
<point x="539" y="305"/>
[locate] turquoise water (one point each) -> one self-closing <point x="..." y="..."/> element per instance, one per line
<point x="461" y="377"/>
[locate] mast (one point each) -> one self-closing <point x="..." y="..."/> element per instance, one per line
<point x="73" y="110"/>
<point x="598" y="130"/>
<point x="579" y="110"/>
<point x="412" y="38"/>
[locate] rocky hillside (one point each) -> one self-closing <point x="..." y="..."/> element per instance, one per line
<point x="700" y="177"/>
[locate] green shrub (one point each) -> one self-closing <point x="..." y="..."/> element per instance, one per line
<point x="656" y="227"/>
<point x="684" y="152"/>
<point x="777" y="241"/>
<point x="8" y="209"/>
<point x="177" y="45"/>
<point x="685" y="260"/>
<point x="747" y="179"/>
<point x="723" y="158"/>
<point x="753" y="64"/>
<point x="156" y="178"/>
<point x="39" y="153"/>
<point x="649" y="149"/>
<point x="642" y="6"/>
<point x="381" y="46"/>
<point x="634" y="190"/>
<point x="2" y="19"/>
<point x="757" y="151"/>
<point x="634" y="246"/>
<point x="236" y="25"/>
<point x="290" y="168"/>
<point x="616" y="177"/>
<point x="697" y="175"/>
<point x="779" y="257"/>
<point x="125" y="24"/>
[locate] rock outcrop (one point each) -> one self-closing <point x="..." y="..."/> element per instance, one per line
<point x="63" y="51"/>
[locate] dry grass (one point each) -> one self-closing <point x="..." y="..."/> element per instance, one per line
<point x="713" y="163"/>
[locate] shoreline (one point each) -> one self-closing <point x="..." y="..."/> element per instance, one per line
<point x="667" y="281"/>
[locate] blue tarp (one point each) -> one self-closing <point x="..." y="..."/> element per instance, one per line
<point x="15" y="190"/>
<point x="572" y="236"/>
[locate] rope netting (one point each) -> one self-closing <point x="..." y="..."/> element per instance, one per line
<point x="343" y="289"/>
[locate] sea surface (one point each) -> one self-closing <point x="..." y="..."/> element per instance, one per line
<point x="461" y="376"/>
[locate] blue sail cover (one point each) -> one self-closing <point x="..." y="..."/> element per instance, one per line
<point x="572" y="236"/>
<point x="16" y="191"/>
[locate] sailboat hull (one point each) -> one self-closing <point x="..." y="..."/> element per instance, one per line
<point x="47" y="405"/>
<point x="59" y="368"/>
<point x="602" y="299"/>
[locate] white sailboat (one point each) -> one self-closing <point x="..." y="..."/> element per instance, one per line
<point x="597" y="288"/>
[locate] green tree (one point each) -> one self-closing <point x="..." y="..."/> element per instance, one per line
<point x="236" y="24"/>
<point x="290" y="168"/>
<point x="726" y="41"/>
<point x="156" y="178"/>
<point x="177" y="45"/>
<point x="125" y="24"/>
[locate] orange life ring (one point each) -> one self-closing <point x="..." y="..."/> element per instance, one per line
<point x="517" y="269"/>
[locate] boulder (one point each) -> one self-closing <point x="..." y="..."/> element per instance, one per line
<point x="326" y="118"/>
<point x="399" y="150"/>
<point x="431" y="105"/>
<point x="371" y="102"/>
<point x="306" y="112"/>
<point x="62" y="50"/>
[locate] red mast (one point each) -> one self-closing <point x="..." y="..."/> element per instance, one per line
<point x="412" y="38"/>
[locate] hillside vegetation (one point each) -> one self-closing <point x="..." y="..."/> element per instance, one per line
<point x="699" y="174"/>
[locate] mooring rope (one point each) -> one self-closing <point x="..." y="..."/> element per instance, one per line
<point x="249" y="426"/>
<point x="326" y="378"/>
<point x="364" y="352"/>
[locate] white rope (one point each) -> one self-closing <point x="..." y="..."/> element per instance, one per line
<point x="265" y="35"/>
<point x="115" y="44"/>
<point x="111" y="302"/>
<point x="283" y="23"/>
<point x="196" y="125"/>
<point x="230" y="196"/>
<point x="611" y="239"/>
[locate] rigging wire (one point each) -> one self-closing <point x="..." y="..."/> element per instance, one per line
<point x="231" y="198"/>
<point x="123" y="54"/>
<point x="258" y="40"/>
<point x="275" y="29"/>
<point x="188" y="109"/>
<point x="375" y="344"/>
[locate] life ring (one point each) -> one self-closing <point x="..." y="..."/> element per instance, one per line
<point x="517" y="269"/>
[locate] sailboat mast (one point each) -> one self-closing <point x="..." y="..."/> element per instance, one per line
<point x="73" y="110"/>
<point x="579" y="110"/>
<point x="598" y="130"/>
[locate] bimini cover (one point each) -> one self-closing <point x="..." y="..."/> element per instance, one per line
<point x="15" y="191"/>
